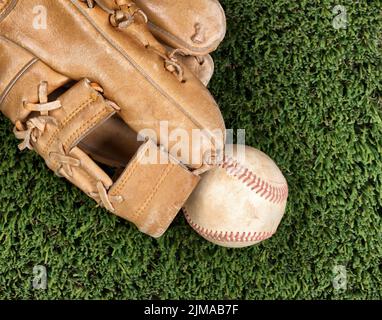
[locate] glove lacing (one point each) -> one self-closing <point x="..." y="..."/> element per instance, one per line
<point x="125" y="16"/>
<point x="36" y="125"/>
<point x="171" y="63"/>
<point x="104" y="199"/>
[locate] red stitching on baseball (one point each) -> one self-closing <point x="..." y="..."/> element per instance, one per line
<point x="227" y="236"/>
<point x="274" y="194"/>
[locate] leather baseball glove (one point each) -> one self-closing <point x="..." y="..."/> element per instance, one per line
<point x="68" y="68"/>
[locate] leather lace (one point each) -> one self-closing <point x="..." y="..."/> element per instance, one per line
<point x="43" y="106"/>
<point x="104" y="199"/>
<point x="171" y="63"/>
<point x="35" y="126"/>
<point x="125" y="16"/>
<point x="66" y="162"/>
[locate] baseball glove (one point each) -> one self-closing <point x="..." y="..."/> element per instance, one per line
<point x="67" y="69"/>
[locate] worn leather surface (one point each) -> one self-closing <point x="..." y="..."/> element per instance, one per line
<point x="75" y="44"/>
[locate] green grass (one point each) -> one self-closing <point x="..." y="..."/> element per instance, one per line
<point x="309" y="96"/>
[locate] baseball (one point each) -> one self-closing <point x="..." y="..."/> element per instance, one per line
<point x="240" y="202"/>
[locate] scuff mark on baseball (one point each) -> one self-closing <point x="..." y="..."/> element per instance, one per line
<point x="240" y="202"/>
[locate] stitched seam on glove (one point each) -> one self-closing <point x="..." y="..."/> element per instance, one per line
<point x="85" y="127"/>
<point x="155" y="190"/>
<point x="65" y="122"/>
<point x="131" y="169"/>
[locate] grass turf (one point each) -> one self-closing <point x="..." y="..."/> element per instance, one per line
<point x="309" y="96"/>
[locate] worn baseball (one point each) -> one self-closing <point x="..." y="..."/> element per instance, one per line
<point x="241" y="201"/>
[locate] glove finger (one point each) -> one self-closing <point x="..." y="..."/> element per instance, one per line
<point x="197" y="27"/>
<point x="203" y="66"/>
